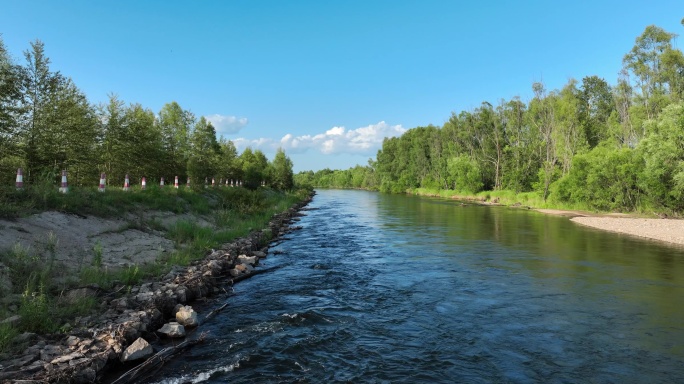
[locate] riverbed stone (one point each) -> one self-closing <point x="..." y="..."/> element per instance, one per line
<point x="187" y="316"/>
<point x="140" y="349"/>
<point x="173" y="330"/>
<point x="243" y="259"/>
<point x="72" y="341"/>
<point x="75" y="295"/>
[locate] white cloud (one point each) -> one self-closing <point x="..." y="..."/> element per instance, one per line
<point x="262" y="143"/>
<point x="226" y="125"/>
<point x="336" y="140"/>
<point x="365" y="140"/>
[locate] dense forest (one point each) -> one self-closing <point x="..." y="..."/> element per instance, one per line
<point x="589" y="144"/>
<point x="47" y="125"/>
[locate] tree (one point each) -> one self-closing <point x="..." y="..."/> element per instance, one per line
<point x="38" y="86"/>
<point x="252" y="168"/>
<point x="228" y="163"/>
<point x="141" y="143"/>
<point x="176" y="125"/>
<point x="594" y="108"/>
<point x="10" y="113"/>
<point x="542" y="116"/>
<point x="569" y="136"/>
<point x="204" y="157"/>
<point x="282" y="178"/>
<point x="645" y="60"/>
<point x="74" y="131"/>
<point x="522" y="160"/>
<point x="663" y="154"/>
<point x="465" y="174"/>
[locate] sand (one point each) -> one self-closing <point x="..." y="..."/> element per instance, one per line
<point x="667" y="230"/>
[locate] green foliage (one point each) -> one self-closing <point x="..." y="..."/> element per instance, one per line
<point x="464" y="174"/>
<point x="603" y="179"/>
<point x="588" y="145"/>
<point x="663" y="154"/>
<point x="205" y="152"/>
<point x="282" y="177"/>
<point x="35" y="311"/>
<point x="97" y="255"/>
<point x="7" y="335"/>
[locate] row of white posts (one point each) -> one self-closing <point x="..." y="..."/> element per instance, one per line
<point x="127" y="185"/>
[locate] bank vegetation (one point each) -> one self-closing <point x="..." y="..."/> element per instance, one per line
<point x="590" y="145"/>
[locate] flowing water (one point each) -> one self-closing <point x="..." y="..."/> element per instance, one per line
<point x="399" y="289"/>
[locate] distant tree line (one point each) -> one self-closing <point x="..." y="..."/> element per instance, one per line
<point x="47" y="124"/>
<point x="618" y="147"/>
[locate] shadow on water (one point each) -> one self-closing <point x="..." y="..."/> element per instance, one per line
<point x="383" y="288"/>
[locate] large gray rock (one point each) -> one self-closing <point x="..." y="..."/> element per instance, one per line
<point x="187" y="316"/>
<point x="74" y="295"/>
<point x="172" y="329"/>
<point x="140" y="349"/>
<point x="242" y="259"/>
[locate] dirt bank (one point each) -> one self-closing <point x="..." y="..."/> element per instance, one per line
<point x="74" y="239"/>
<point x="99" y="342"/>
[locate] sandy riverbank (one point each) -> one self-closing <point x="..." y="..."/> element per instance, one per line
<point x="667" y="230"/>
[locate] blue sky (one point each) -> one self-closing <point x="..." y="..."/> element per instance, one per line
<point x="327" y="80"/>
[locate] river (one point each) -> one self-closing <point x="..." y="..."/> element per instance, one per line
<point x="380" y="288"/>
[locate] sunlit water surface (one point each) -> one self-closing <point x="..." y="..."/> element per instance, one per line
<point x="399" y="289"/>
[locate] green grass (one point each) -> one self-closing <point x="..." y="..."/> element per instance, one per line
<point x="503" y="197"/>
<point x="234" y="212"/>
<point x="7" y="335"/>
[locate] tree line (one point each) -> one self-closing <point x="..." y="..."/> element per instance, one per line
<point x="47" y="124"/>
<point x="607" y="147"/>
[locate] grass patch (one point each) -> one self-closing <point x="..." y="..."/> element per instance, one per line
<point x="7" y="335"/>
<point x="234" y="212"/>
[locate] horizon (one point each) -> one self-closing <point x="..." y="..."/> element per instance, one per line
<point x="327" y="82"/>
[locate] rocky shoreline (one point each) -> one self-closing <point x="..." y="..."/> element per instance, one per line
<point x="142" y="314"/>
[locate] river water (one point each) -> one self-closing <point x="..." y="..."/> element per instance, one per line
<point x="382" y="288"/>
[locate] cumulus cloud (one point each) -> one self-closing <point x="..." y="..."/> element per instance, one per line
<point x="226" y="125"/>
<point x="364" y="140"/>
<point x="336" y="140"/>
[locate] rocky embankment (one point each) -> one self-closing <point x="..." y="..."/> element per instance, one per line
<point x="140" y="315"/>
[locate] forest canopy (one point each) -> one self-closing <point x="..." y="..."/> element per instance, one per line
<point x="47" y="125"/>
<point x="592" y="144"/>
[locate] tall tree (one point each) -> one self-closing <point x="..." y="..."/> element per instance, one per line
<point x="143" y="153"/>
<point x="542" y="116"/>
<point x="228" y="164"/>
<point x="594" y="108"/>
<point x="74" y="131"/>
<point x="282" y="171"/>
<point x="10" y="111"/>
<point x="114" y="145"/>
<point x="176" y="125"/>
<point x="645" y="60"/>
<point x="521" y="159"/>
<point x="203" y="161"/>
<point x="39" y="85"/>
<point x="569" y="136"/>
